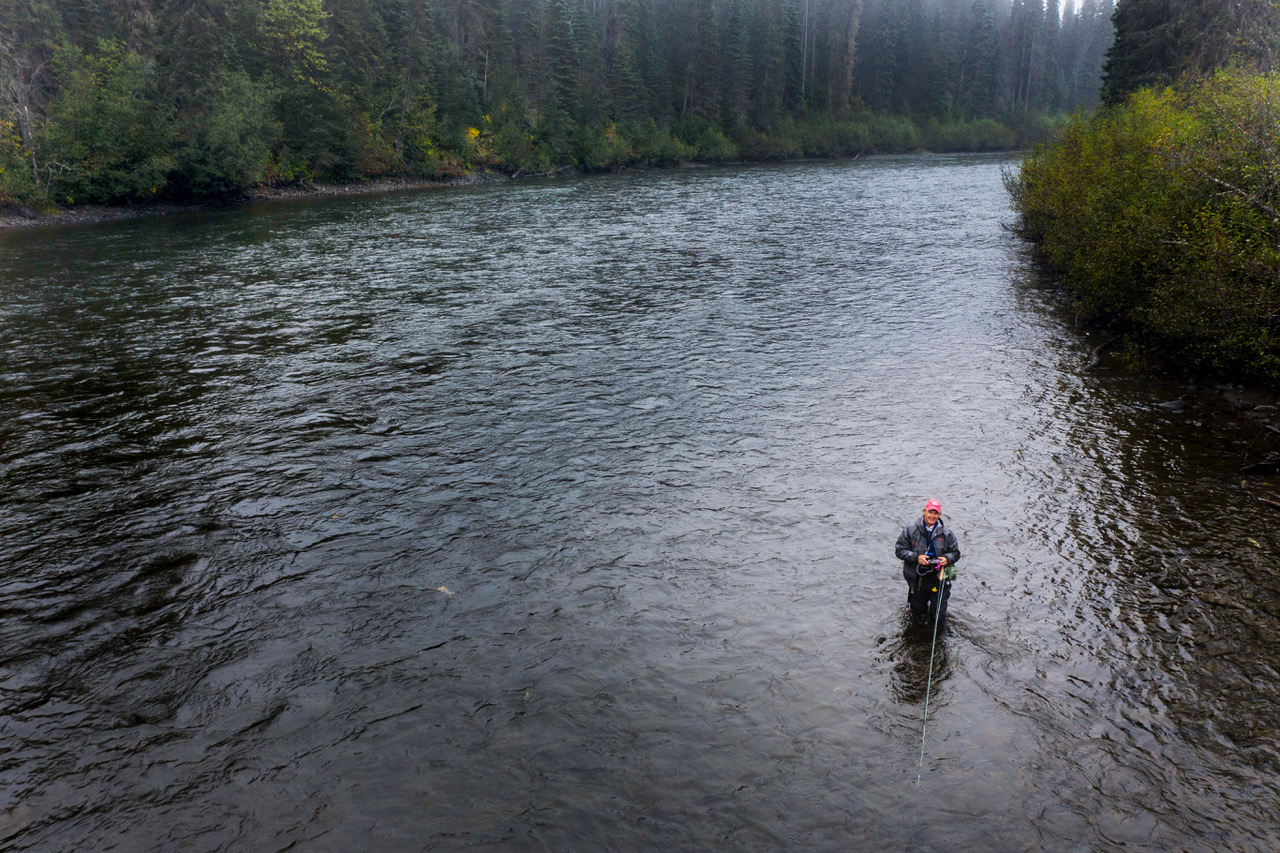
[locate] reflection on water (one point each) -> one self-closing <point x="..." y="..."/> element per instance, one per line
<point x="911" y="651"/>
<point x="560" y="515"/>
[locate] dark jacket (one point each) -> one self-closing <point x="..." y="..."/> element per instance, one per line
<point x="914" y="541"/>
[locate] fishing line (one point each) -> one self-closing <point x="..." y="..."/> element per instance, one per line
<point x="937" y="612"/>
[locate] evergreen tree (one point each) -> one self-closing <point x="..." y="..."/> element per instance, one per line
<point x="1094" y="35"/>
<point x="977" y="68"/>
<point x="934" y="99"/>
<point x="845" y="54"/>
<point x="769" y="77"/>
<point x="116" y="141"/>
<point x="1146" y="50"/>
<point x="793" y="36"/>
<point x="735" y="79"/>
<point x="701" y="85"/>
<point x="1052" y="79"/>
<point x="1156" y="41"/>
<point x="29" y="34"/>
<point x="562" y="57"/>
<point x="621" y="54"/>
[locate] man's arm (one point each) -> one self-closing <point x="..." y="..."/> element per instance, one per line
<point x="903" y="549"/>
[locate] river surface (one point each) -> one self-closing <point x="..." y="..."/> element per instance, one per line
<point x="560" y="515"/>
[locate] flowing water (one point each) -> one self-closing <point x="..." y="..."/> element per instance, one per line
<point x="560" y="515"/>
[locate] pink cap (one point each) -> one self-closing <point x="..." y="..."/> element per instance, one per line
<point x="933" y="505"/>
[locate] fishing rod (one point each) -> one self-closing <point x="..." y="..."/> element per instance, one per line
<point x="937" y="617"/>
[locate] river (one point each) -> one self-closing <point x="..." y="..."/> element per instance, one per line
<point x="560" y="515"/>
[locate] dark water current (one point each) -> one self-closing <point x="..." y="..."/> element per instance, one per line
<point x="559" y="515"/>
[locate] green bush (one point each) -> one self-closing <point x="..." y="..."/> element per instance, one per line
<point x="852" y="137"/>
<point x="982" y="135"/>
<point x="318" y="135"/>
<point x="377" y="153"/>
<point x="705" y="141"/>
<point x="17" y="182"/>
<point x="781" y="143"/>
<point x="1033" y="128"/>
<point x="895" y="134"/>
<point x="655" y="146"/>
<point x="227" y="148"/>
<point x="518" y="150"/>
<point x="818" y="138"/>
<point x="598" y="148"/>
<point x="1161" y="215"/>
<point x="105" y="137"/>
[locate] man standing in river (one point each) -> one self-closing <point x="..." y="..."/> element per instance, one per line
<point x="929" y="552"/>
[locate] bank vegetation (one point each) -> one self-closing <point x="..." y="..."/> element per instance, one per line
<point x="1160" y="211"/>
<point x="119" y="101"/>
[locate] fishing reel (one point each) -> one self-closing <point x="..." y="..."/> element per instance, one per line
<point x="948" y="573"/>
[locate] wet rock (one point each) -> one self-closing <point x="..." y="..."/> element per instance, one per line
<point x="21" y="211"/>
<point x="1218" y="648"/>
<point x="1174" y="405"/>
<point x="1247" y="400"/>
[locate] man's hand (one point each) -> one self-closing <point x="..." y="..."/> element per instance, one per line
<point x="942" y="562"/>
<point x="923" y="559"/>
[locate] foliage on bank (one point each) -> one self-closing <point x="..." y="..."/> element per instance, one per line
<point x="104" y="143"/>
<point x="1162" y="214"/>
<point x="103" y="102"/>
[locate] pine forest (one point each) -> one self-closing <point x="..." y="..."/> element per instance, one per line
<point x="125" y="100"/>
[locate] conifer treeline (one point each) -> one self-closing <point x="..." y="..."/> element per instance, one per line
<point x="107" y="100"/>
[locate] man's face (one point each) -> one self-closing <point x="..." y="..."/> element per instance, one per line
<point x="931" y="516"/>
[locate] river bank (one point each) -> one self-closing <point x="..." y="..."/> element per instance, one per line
<point x="1182" y="391"/>
<point x="13" y="217"/>
<point x="19" y="216"/>
<point x="1205" y="405"/>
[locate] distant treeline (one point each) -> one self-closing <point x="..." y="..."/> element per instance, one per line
<point x="1161" y="211"/>
<point x="118" y="100"/>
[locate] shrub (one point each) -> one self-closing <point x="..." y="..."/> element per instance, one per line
<point x="318" y="131"/>
<point x="105" y="137"/>
<point x="895" y="134"/>
<point x="599" y="147"/>
<point x="518" y="150"/>
<point x="228" y="147"/>
<point x="1161" y="214"/>
<point x="981" y="135"/>
<point x="17" y="182"/>
<point x="654" y="146"/>
<point x="703" y="140"/>
<point x="782" y="143"/>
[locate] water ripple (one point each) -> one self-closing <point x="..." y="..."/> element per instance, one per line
<point x="559" y="515"/>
